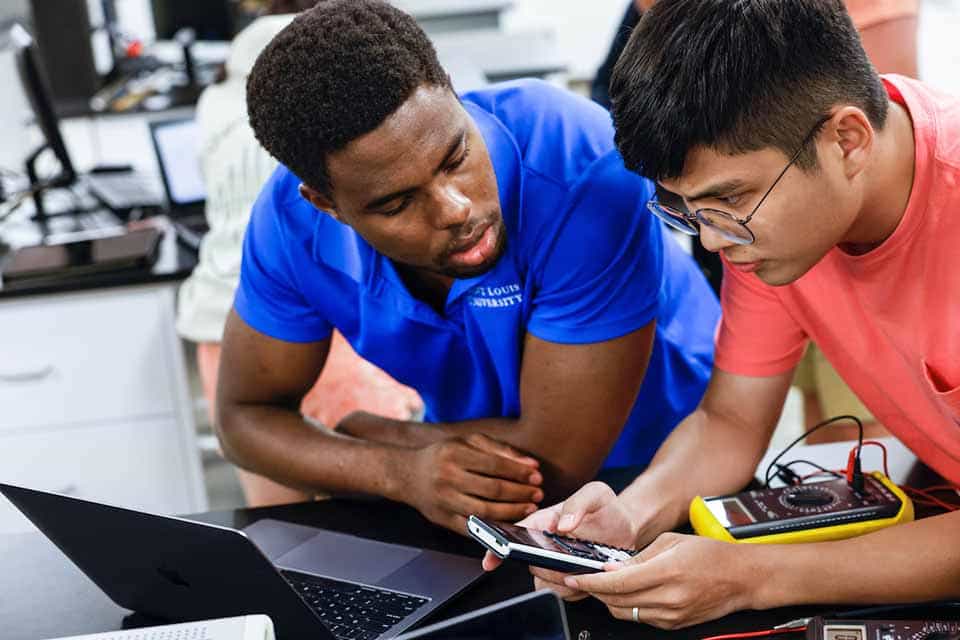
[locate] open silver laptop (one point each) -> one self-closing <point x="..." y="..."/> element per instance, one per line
<point x="313" y="583"/>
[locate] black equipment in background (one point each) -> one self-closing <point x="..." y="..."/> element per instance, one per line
<point x="131" y="250"/>
<point x="210" y="19"/>
<point x="39" y="96"/>
<point x="63" y="32"/>
<point x="841" y="629"/>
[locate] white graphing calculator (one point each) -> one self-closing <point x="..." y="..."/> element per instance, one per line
<point x="544" y="549"/>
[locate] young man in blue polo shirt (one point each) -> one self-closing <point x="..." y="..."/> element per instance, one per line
<point x="491" y="251"/>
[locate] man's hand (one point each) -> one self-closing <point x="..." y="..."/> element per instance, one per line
<point x="592" y="513"/>
<point x="677" y="581"/>
<point x="457" y="477"/>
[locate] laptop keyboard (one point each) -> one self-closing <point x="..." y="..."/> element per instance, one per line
<point x="351" y="611"/>
<point x="126" y="189"/>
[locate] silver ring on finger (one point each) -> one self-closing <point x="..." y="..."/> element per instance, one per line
<point x="636" y="614"/>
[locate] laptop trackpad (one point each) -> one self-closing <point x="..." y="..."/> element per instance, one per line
<point x="347" y="557"/>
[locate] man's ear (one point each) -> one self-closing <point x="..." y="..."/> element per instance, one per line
<point x="320" y="201"/>
<point x="855" y="137"/>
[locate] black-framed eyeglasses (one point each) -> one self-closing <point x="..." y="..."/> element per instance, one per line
<point x="727" y="225"/>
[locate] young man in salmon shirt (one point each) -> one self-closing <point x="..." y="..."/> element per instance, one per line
<point x="832" y="196"/>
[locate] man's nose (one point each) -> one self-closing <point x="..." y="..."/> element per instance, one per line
<point x="453" y="206"/>
<point x="712" y="240"/>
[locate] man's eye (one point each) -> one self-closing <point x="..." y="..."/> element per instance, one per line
<point x="404" y="203"/>
<point x="732" y="201"/>
<point x="455" y="164"/>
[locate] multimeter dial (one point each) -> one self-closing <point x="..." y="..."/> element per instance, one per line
<point x="809" y="498"/>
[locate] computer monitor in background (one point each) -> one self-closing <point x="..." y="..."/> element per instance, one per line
<point x="63" y="33"/>
<point x="177" y="145"/>
<point x="37" y="92"/>
<point x="210" y="19"/>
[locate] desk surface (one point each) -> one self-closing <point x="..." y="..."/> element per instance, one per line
<point x="174" y="262"/>
<point x="42" y="595"/>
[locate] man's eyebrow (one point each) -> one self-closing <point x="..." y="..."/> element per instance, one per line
<point x="718" y="189"/>
<point x="452" y="149"/>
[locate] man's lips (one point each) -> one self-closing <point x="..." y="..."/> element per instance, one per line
<point x="482" y="250"/>
<point x="471" y="240"/>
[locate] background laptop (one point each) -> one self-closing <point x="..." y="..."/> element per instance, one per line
<point x="313" y="583"/>
<point x="532" y="616"/>
<point x="176" y="144"/>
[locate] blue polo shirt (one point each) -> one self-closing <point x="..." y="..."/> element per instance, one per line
<point x="585" y="262"/>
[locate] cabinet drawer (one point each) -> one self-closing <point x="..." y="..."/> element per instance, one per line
<point x="76" y="358"/>
<point x="142" y="465"/>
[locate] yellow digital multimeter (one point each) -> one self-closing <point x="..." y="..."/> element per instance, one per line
<point x="814" y="512"/>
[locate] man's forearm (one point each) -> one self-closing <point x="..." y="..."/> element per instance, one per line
<point x="280" y="444"/>
<point x="563" y="473"/>
<point x="914" y="562"/>
<point x="705" y="455"/>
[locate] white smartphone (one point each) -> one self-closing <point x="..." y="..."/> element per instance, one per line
<point x="544" y="549"/>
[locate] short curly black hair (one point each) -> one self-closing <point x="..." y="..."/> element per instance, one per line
<point x="333" y="74"/>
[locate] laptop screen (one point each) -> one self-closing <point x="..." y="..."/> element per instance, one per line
<point x="178" y="154"/>
<point x="538" y="616"/>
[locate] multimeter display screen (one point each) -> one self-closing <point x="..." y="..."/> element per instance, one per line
<point x="733" y="513"/>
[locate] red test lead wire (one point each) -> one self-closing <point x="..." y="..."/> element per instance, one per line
<point x="757" y="634"/>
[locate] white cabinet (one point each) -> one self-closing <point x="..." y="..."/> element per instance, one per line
<point x="94" y="401"/>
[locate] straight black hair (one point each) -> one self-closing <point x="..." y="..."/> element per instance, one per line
<point x="737" y="76"/>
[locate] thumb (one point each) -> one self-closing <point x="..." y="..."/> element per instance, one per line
<point x="664" y="542"/>
<point x="490" y="561"/>
<point x="589" y="499"/>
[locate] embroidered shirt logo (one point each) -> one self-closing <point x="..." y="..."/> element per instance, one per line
<point x="507" y="295"/>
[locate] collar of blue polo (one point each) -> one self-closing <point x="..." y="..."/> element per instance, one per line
<point x="352" y="255"/>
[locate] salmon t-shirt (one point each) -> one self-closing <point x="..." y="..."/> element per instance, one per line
<point x="888" y="320"/>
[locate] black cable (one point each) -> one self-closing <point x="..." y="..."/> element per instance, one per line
<point x="812" y="464"/>
<point x="21" y="197"/>
<point x="767" y="477"/>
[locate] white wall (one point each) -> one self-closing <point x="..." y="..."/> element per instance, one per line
<point x="584" y="29"/>
<point x="939" y="44"/>
<point x="583" y="33"/>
